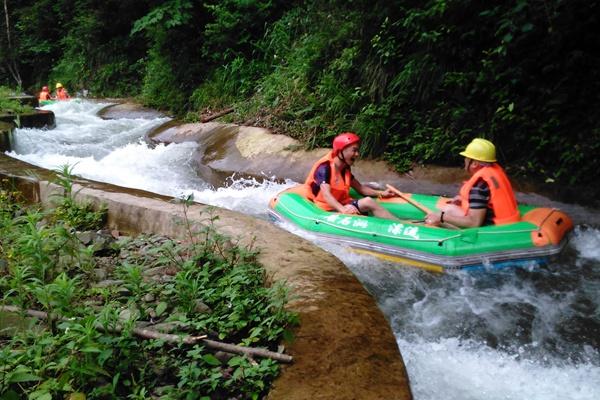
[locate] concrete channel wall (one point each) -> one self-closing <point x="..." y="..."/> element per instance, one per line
<point x="343" y="348"/>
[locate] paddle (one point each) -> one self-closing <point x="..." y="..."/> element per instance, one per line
<point x="418" y="205"/>
<point x="409" y="200"/>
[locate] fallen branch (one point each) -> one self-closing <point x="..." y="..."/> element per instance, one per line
<point x="151" y="334"/>
<point x="217" y="115"/>
<point x="250" y="351"/>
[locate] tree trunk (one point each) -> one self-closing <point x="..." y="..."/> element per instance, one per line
<point x="11" y="61"/>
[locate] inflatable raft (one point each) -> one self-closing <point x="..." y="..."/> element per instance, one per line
<point x="540" y="234"/>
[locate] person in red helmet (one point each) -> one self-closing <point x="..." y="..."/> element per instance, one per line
<point x="330" y="179"/>
<point x="44" y="94"/>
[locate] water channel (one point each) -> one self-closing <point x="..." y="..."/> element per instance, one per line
<point x="531" y="333"/>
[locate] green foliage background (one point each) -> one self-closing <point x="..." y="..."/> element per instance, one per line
<point x="417" y="79"/>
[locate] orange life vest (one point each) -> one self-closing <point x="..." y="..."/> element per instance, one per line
<point x="44" y="96"/>
<point x="61" y="94"/>
<point x="340" y="184"/>
<point x="502" y="197"/>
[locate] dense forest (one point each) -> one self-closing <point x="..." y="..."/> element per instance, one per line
<point x="417" y="79"/>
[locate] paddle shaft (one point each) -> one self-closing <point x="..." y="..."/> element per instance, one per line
<point x="409" y="200"/>
<point x="419" y="206"/>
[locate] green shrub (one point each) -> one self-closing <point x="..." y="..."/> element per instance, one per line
<point x="88" y="346"/>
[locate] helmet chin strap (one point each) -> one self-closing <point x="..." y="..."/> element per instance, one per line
<point x="341" y="157"/>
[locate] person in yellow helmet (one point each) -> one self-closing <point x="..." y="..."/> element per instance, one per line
<point x="486" y="198"/>
<point x="61" y="92"/>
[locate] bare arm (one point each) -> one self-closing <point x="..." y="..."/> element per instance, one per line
<point x="366" y="190"/>
<point x="333" y="202"/>
<point x="453" y="215"/>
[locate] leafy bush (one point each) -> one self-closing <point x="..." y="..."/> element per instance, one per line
<point x="11" y="106"/>
<point x="89" y="347"/>
<point x="417" y="80"/>
<point x="77" y="215"/>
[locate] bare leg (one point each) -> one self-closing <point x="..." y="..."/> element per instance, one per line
<point x="370" y="205"/>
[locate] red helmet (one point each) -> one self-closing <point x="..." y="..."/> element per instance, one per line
<point x="344" y="140"/>
<point x="45" y="88"/>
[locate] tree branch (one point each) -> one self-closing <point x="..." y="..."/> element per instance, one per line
<point x="217" y="115"/>
<point x="170" y="338"/>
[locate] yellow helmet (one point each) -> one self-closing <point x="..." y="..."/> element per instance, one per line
<point x="481" y="150"/>
<point x="59" y="85"/>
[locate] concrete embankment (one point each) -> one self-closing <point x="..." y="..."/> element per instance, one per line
<point x="343" y="348"/>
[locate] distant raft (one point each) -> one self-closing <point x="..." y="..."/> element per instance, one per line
<point x="541" y="233"/>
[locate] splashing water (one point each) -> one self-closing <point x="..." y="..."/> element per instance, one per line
<point x="524" y="334"/>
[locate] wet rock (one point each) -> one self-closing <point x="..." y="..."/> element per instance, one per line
<point x="100" y="274"/>
<point x="171" y="271"/>
<point x="149" y="298"/>
<point x="201" y="308"/>
<point x="85" y="237"/>
<point x="109" y="283"/>
<point x="223" y="356"/>
<point x="150" y="272"/>
<point x="129" y="313"/>
<point x="103" y="242"/>
<point x="169" y="327"/>
<point x="163" y="390"/>
<point x="151" y="312"/>
<point x="165" y="278"/>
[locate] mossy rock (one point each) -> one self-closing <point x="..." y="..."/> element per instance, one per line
<point x="6" y="129"/>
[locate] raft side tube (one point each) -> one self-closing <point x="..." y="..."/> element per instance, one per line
<point x="553" y="225"/>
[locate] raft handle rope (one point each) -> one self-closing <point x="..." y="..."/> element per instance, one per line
<point x="317" y="221"/>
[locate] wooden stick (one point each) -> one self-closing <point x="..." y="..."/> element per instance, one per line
<point x="251" y="351"/>
<point x="217" y="115"/>
<point x="408" y="199"/>
<point x="152" y="334"/>
<point x="419" y="206"/>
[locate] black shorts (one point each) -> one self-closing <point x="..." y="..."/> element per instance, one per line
<point x="355" y="204"/>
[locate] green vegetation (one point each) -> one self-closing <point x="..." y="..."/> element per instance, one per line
<point x="418" y="80"/>
<point x="11" y="106"/>
<point x="98" y="293"/>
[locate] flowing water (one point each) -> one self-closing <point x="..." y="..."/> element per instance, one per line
<point x="531" y="333"/>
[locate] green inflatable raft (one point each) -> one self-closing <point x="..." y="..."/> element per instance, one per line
<point x="540" y="234"/>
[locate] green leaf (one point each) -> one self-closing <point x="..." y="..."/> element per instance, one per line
<point x="10" y="395"/>
<point x="160" y="308"/>
<point x="40" y="395"/>
<point x="211" y="360"/>
<point x="23" y="377"/>
<point x="90" y="349"/>
<point x="527" y="27"/>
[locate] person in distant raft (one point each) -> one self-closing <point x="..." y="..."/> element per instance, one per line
<point x="330" y="179"/>
<point x="44" y="94"/>
<point x="486" y="198"/>
<point x="61" y="92"/>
